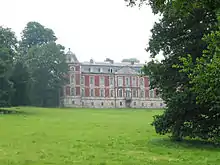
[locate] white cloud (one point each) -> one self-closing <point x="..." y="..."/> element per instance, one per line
<point x="91" y="28"/>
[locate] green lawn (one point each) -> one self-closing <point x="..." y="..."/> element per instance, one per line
<point x="93" y="137"/>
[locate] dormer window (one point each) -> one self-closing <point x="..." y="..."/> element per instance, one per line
<point x="100" y="70"/>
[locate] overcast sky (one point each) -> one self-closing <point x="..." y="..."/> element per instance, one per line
<point x="91" y="28"/>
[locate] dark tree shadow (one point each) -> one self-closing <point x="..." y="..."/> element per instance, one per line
<point x="186" y="143"/>
<point x="14" y="111"/>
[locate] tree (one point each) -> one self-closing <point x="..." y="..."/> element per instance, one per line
<point x="48" y="67"/>
<point x="20" y="78"/>
<point x="7" y="52"/>
<point x="45" y="63"/>
<point x="36" y="34"/>
<point x="179" y="32"/>
<point x="205" y="83"/>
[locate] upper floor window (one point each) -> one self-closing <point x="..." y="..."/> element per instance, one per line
<point x="111" y="79"/>
<point x="102" y="93"/>
<point x="112" y="93"/>
<point x="90" y="70"/>
<point x="72" y="78"/>
<point x="91" y="80"/>
<point x="120" y="93"/>
<point x="72" y="68"/>
<point x="82" y="80"/>
<point x="134" y="93"/>
<point x="142" y="94"/>
<point x="102" y="80"/>
<point x="151" y="93"/>
<point x="134" y="81"/>
<point x="82" y="92"/>
<point x="100" y="70"/>
<point x="127" y="81"/>
<point x="91" y="92"/>
<point x="141" y="81"/>
<point x="72" y="92"/>
<point x="120" y="81"/>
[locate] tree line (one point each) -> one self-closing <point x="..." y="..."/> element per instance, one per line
<point x="188" y="79"/>
<point x="31" y="69"/>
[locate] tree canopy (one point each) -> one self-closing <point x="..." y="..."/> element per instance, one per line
<point x="179" y="33"/>
<point x="31" y="70"/>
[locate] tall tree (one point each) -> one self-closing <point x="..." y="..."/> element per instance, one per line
<point x="48" y="67"/>
<point x="179" y="32"/>
<point x="36" y="34"/>
<point x="46" y="64"/>
<point x="7" y="52"/>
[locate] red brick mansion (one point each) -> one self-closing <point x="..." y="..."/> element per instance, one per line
<point x="107" y="85"/>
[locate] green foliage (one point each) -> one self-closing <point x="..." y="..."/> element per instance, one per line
<point x="31" y="70"/>
<point x="205" y="83"/>
<point x="178" y="33"/>
<point x="47" y="66"/>
<point x="7" y="52"/>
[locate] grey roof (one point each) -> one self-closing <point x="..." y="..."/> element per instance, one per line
<point x="121" y="64"/>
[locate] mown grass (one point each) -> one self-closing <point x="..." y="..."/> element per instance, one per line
<point x="93" y="137"/>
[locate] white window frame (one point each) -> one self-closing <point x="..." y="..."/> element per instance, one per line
<point x="102" y="94"/>
<point x="120" y="81"/>
<point x="91" y="77"/>
<point x="102" y="80"/>
<point x="91" y="92"/>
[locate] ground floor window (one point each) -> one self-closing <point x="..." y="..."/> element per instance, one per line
<point x="112" y="103"/>
<point x="120" y="103"/>
<point x="142" y="104"/>
<point x="102" y="103"/>
<point x="92" y="103"/>
<point x="134" y="103"/>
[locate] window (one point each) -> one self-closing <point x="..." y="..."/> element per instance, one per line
<point x="151" y="93"/>
<point x="141" y="82"/>
<point x="112" y="93"/>
<point x="134" y="93"/>
<point x="73" y="102"/>
<point x="100" y="70"/>
<point x="142" y="104"/>
<point x="112" y="103"/>
<point x="82" y="92"/>
<point x="134" y="81"/>
<point x="120" y="103"/>
<point x="72" y="68"/>
<point x="120" y="93"/>
<point x="142" y="94"/>
<point x="102" y="93"/>
<point x="82" y="103"/>
<point x="111" y="81"/>
<point x="151" y="104"/>
<point x="91" y="92"/>
<point x="72" y="92"/>
<point x="102" y="103"/>
<point x="134" y="103"/>
<point x="90" y="69"/>
<point x="128" y="93"/>
<point x="127" y="81"/>
<point x="91" y="80"/>
<point x="102" y="80"/>
<point x="161" y="104"/>
<point x="72" y="79"/>
<point x="120" y="81"/>
<point x="82" y="80"/>
<point x="92" y="103"/>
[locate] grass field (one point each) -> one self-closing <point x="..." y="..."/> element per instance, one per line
<point x="93" y="137"/>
